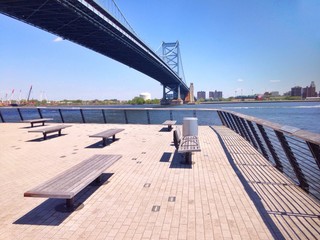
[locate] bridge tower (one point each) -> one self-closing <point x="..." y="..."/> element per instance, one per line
<point x="170" y="54"/>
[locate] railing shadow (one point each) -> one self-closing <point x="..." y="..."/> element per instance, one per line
<point x="251" y="193"/>
<point x="288" y="211"/>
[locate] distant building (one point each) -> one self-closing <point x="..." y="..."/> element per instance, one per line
<point x="296" y="91"/>
<point x="201" y="94"/>
<point x="274" y="94"/>
<point x="215" y="95"/>
<point x="309" y="91"/>
<point x="145" y="96"/>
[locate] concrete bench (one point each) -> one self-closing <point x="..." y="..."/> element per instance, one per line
<point x="169" y="123"/>
<point x="51" y="129"/>
<point x="186" y="145"/>
<point x="108" y="133"/>
<point x="40" y="120"/>
<point x="70" y="182"/>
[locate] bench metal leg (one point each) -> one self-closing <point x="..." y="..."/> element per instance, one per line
<point x="59" y="133"/>
<point x="169" y="127"/>
<point x="104" y="141"/>
<point x="113" y="137"/>
<point x="70" y="203"/>
<point x="44" y="136"/>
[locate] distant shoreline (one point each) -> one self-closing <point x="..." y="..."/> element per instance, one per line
<point x="265" y="101"/>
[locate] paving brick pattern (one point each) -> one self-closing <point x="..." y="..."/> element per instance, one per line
<point x="149" y="193"/>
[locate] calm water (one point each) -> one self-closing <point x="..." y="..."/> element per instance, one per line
<point x="303" y="115"/>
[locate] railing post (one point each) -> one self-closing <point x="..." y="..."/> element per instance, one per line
<point x="248" y="133"/>
<point x="171" y="117"/>
<point x="2" y="120"/>
<point x="194" y="113"/>
<point x="257" y="138"/>
<point x="242" y="131"/>
<point x="148" y="116"/>
<point x="232" y="125"/>
<point x="271" y="148"/>
<point x="293" y="161"/>
<point x="125" y="116"/>
<point x="20" y="114"/>
<point x="61" y="116"/>
<point x="104" y="116"/>
<point x="82" y="116"/>
<point x="315" y="150"/>
<point x="40" y="113"/>
<point x="222" y="119"/>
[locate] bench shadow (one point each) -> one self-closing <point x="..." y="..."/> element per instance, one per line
<point x="40" y="139"/>
<point x="53" y="212"/>
<point x="179" y="162"/>
<point x="99" y="144"/>
<point x="165" y="129"/>
<point x="165" y="157"/>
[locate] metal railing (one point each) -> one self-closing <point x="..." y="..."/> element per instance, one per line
<point x="294" y="152"/>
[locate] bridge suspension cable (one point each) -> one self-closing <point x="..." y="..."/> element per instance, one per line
<point x="113" y="9"/>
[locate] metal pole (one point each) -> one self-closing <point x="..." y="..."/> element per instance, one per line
<point x="20" y="114"/>
<point x="293" y="161"/>
<point x="270" y="147"/>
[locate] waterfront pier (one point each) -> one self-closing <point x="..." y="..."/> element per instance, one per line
<point x="230" y="191"/>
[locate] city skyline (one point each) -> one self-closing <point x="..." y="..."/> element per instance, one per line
<point x="241" y="47"/>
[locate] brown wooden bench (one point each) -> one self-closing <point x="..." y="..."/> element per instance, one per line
<point x="169" y="123"/>
<point x="186" y="145"/>
<point x="50" y="129"/>
<point x="40" y="120"/>
<point x="108" y="133"/>
<point x="70" y="182"/>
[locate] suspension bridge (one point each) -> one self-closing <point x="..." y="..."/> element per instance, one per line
<point x="90" y="24"/>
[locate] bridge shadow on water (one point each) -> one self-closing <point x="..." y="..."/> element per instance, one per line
<point x="53" y="212"/>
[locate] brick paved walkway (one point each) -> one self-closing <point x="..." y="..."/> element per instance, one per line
<point x="149" y="193"/>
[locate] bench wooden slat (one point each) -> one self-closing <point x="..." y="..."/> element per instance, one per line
<point x="106" y="134"/>
<point x="70" y="182"/>
<point x="51" y="129"/>
<point x="38" y="120"/>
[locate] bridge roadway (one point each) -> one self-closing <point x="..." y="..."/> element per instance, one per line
<point x="229" y="192"/>
<point x="88" y="24"/>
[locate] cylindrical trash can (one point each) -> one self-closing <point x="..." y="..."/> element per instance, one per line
<point x="190" y="126"/>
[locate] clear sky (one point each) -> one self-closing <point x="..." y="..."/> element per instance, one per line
<point x="234" y="46"/>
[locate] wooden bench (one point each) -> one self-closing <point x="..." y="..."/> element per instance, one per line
<point x="70" y="182"/>
<point x="169" y="123"/>
<point x="40" y="120"/>
<point x="186" y="145"/>
<point x="51" y="129"/>
<point x="108" y="133"/>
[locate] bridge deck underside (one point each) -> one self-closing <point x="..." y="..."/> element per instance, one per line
<point x="75" y="22"/>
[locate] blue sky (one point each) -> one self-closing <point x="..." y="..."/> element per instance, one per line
<point x="247" y="46"/>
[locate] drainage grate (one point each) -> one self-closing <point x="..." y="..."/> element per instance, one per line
<point x="143" y="153"/>
<point x="171" y="199"/>
<point x="146" y="185"/>
<point x="155" y="208"/>
<point x="134" y="159"/>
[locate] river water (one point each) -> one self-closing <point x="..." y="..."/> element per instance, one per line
<point x="303" y="115"/>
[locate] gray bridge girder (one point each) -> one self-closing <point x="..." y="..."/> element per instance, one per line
<point x="97" y="30"/>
